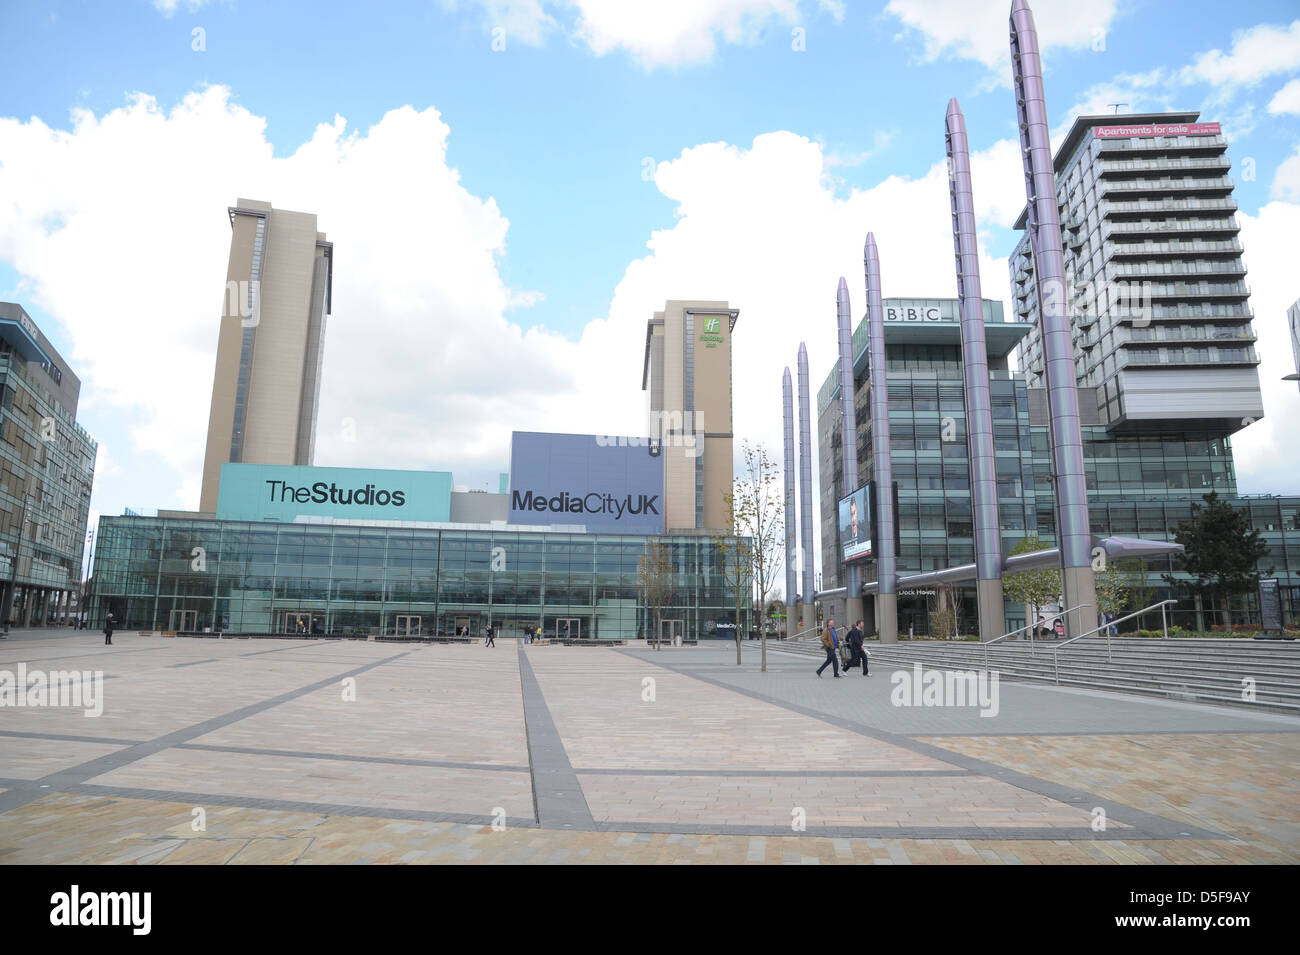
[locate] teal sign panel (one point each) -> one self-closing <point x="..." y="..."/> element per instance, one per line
<point x="274" y="492"/>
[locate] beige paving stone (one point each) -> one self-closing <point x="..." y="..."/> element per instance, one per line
<point x="28" y="758"/>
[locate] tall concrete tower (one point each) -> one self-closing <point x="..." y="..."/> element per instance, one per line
<point x="270" y="346"/>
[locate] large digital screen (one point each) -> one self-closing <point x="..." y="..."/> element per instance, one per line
<point x="856" y="525"/>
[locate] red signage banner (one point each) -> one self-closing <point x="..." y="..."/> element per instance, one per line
<point x="1173" y="129"/>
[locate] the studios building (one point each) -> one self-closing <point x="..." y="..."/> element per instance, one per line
<point x="349" y="551"/>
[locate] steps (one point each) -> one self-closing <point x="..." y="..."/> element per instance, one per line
<point x="1195" y="670"/>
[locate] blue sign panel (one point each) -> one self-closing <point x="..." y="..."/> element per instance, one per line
<point x="273" y="492"/>
<point x="609" y="484"/>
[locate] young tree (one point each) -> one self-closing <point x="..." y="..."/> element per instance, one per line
<point x="757" y="504"/>
<point x="1112" y="590"/>
<point x="658" y="583"/>
<point x="735" y="560"/>
<point x="944" y="611"/>
<point x="1222" y="553"/>
<point x="1033" y="588"/>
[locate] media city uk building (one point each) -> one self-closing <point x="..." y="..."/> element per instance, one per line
<point x="404" y="554"/>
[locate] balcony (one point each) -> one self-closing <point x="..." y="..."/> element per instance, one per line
<point x="1176" y="247"/>
<point x="1159" y="164"/>
<point x="1218" y="184"/>
<point x="1159" y="144"/>
<point x="1172" y="226"/>
<point x="1199" y="289"/>
<point x="1185" y="333"/>
<point x="1186" y="358"/>
<point x="1191" y="204"/>
<point x="1157" y="269"/>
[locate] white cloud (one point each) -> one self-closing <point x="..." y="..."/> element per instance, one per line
<point x="524" y="20"/>
<point x="1286" y="182"/>
<point x="119" y="229"/>
<point x="653" y="32"/>
<point x="1265" y="452"/>
<point x="978" y="29"/>
<point x="168" y="7"/>
<point x="1258" y="52"/>
<point x="1287" y="99"/>
<point x="779" y="259"/>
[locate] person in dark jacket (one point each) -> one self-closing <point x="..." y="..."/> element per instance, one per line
<point x="491" y="635"/>
<point x="109" y="624"/>
<point x="856" y="648"/>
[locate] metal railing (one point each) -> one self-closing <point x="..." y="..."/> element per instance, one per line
<point x="1032" y="650"/>
<point x="1164" y="626"/>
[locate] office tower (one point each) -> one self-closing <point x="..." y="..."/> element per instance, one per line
<point x="266" y="386"/>
<point x="47" y="467"/>
<point x="1159" y="308"/>
<point x="687" y="379"/>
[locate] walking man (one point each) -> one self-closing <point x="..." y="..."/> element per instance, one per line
<point x="109" y="623"/>
<point x="856" y="648"/>
<point x="490" y="635"/>
<point x="831" y="644"/>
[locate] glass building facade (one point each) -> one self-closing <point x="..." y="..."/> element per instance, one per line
<point x="360" y="579"/>
<point x="47" y="467"/>
<point x="1139" y="485"/>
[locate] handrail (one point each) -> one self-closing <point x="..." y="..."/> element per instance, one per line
<point x="1164" y="625"/>
<point x="1032" y="650"/>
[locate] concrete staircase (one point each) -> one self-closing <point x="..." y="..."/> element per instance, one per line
<point x="1203" y="671"/>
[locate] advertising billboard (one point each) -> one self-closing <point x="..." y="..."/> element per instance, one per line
<point x="606" y="484"/>
<point x="856" y="526"/>
<point x="274" y="492"/>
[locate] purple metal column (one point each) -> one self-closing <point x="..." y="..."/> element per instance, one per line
<point x="791" y="524"/>
<point x="975" y="366"/>
<point x="805" y="488"/>
<point x="1073" y="534"/>
<point x="881" y="470"/>
<point x="848" y="443"/>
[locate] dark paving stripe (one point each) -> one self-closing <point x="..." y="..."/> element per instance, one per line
<point x="557" y="794"/>
<point x="778" y="773"/>
<point x="71" y="738"/>
<point x="77" y="775"/>
<point x="990" y="833"/>
<point x="192" y="663"/>
<point x="350" y="758"/>
<point x="72" y="656"/>
<point x="1144" y="825"/>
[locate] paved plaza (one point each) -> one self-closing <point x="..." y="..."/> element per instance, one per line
<point x="316" y="751"/>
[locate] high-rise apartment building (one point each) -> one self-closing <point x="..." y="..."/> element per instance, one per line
<point x="687" y="380"/>
<point x="270" y="346"/>
<point x="1156" y="287"/>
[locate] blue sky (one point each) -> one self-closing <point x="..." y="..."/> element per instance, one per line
<point x="555" y="142"/>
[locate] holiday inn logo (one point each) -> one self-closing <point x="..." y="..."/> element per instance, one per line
<point x="711" y="325"/>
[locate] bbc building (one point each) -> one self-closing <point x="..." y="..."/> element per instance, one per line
<point x="558" y="546"/>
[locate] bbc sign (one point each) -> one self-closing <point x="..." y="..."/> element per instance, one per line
<point x="610" y="487"/>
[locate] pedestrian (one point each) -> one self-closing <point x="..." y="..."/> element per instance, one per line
<point x="858" y="651"/>
<point x="109" y="623"/>
<point x="831" y="644"/>
<point x="490" y="636"/>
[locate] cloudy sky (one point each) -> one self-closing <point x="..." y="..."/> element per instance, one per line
<point x="514" y="186"/>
